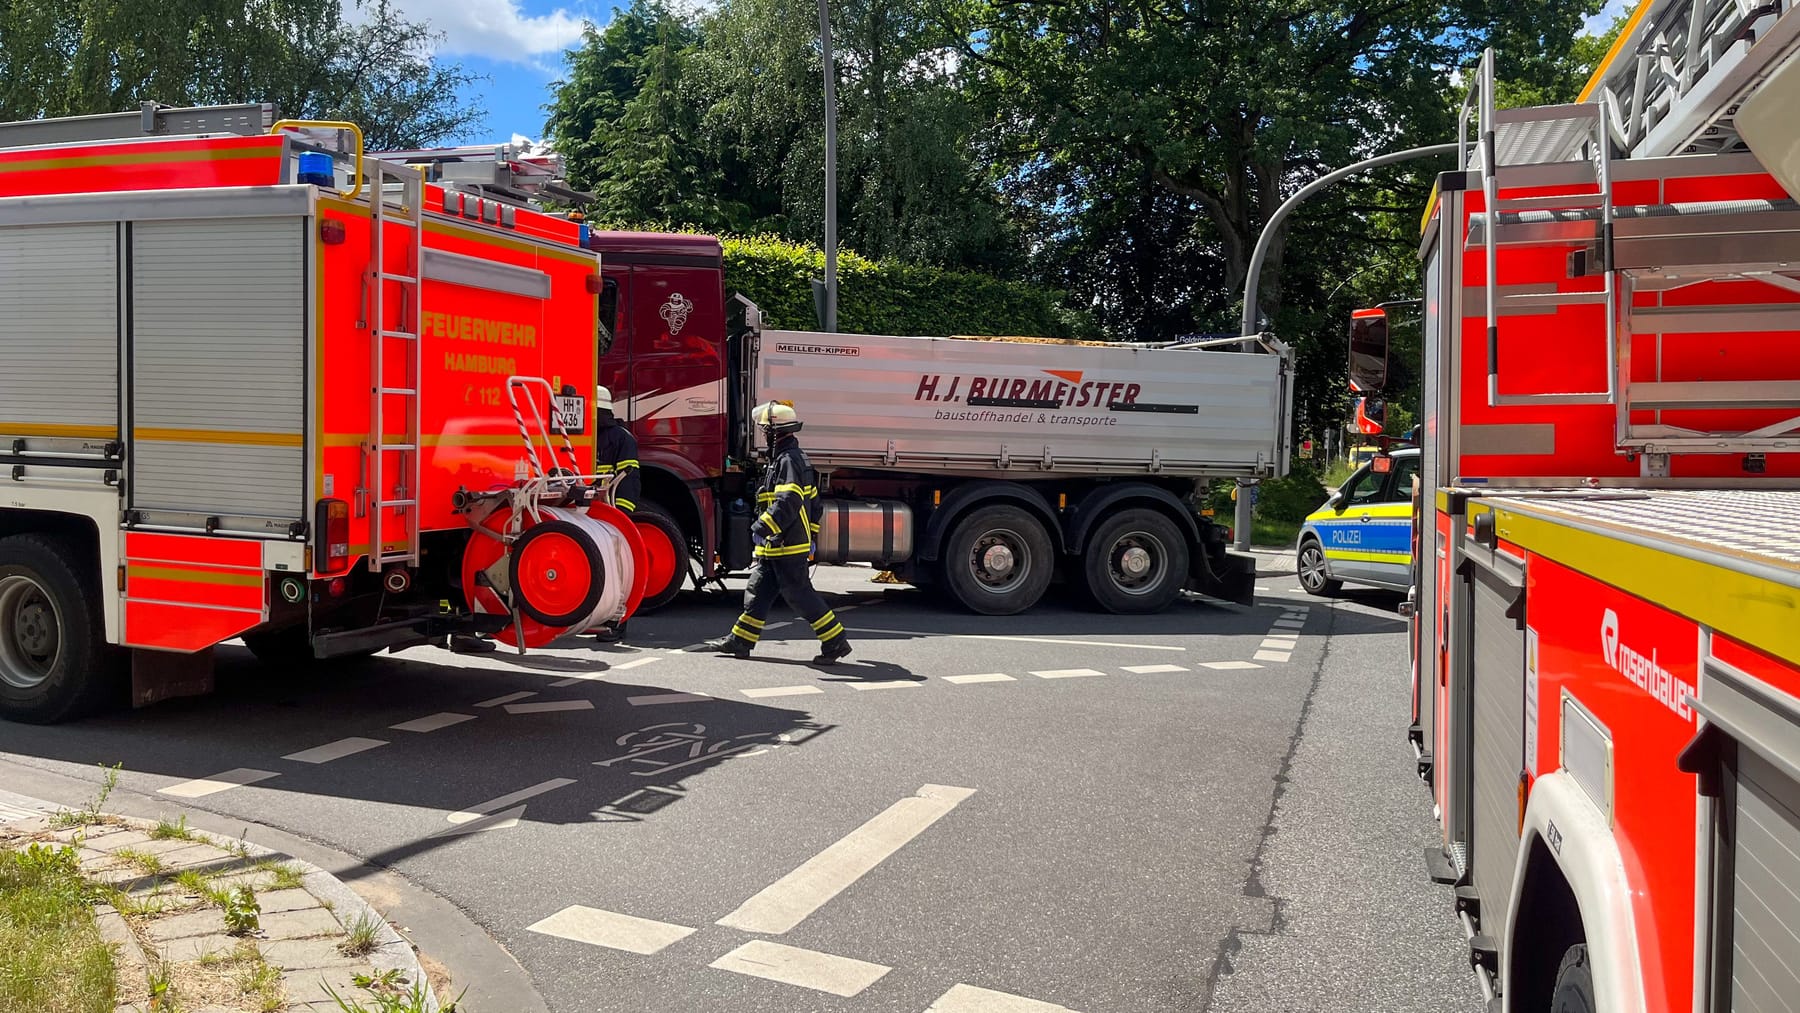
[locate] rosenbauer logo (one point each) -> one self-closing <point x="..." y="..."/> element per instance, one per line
<point x="1064" y="390"/>
<point x="1643" y="671"/>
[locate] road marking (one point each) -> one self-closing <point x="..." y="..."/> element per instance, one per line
<point x="1273" y="644"/>
<point x="604" y="672"/>
<point x="433" y="722"/>
<point x="969" y="999"/>
<point x="1153" y="669"/>
<point x="768" y="691"/>
<point x="508" y="698"/>
<point x="964" y="680"/>
<point x="1023" y="640"/>
<point x="611" y="929"/>
<point x="1271" y="655"/>
<point x="494" y="814"/>
<point x="654" y="699"/>
<point x="1068" y="673"/>
<point x="886" y="684"/>
<point x="549" y="706"/>
<point x="789" y="900"/>
<point x="335" y="750"/>
<point x="1229" y="666"/>
<point x="790" y="965"/>
<point x="203" y="786"/>
<point x="1289" y="624"/>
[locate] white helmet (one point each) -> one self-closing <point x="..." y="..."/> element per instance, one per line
<point x="603" y="399"/>
<point x="778" y="416"/>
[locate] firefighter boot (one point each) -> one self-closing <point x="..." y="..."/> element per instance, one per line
<point x="833" y="651"/>
<point x="730" y="643"/>
<point x="614" y="635"/>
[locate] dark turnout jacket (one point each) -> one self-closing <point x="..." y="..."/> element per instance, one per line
<point x="789" y="499"/>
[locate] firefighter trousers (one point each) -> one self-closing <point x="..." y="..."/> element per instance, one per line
<point x="787" y="577"/>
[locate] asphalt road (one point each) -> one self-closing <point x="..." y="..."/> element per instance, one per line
<point x="1209" y="809"/>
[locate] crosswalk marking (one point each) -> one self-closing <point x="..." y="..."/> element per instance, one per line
<point x="335" y="750"/>
<point x="790" y="965"/>
<point x="433" y="722"/>
<point x="964" y="680"/>
<point x="508" y="698"/>
<point x="789" y="900"/>
<point x="1229" y="666"/>
<point x="611" y="929"/>
<point x="969" y="999"/>
<point x="768" y="691"/>
<point x="1272" y="655"/>
<point x="203" y="786"/>
<point x="1289" y="624"/>
<point x="888" y="684"/>
<point x="1153" y="669"/>
<point x="653" y="699"/>
<point x="549" y="706"/>
<point x="1068" y="673"/>
<point x="1278" y="644"/>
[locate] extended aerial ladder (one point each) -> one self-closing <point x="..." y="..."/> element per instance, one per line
<point x="509" y="173"/>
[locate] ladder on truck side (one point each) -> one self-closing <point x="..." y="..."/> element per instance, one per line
<point x="1632" y="249"/>
<point x="395" y="468"/>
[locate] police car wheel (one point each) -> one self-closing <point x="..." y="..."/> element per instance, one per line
<point x="55" y="663"/>
<point x="1315" y="575"/>
<point x="1135" y="563"/>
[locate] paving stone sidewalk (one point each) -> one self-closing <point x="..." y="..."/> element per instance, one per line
<point x="225" y="926"/>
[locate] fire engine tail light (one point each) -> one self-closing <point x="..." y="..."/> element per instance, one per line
<point x="332" y="529"/>
<point x="593" y="284"/>
<point x="331" y="232"/>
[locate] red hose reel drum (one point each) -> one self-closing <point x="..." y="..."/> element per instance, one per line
<point x="568" y="571"/>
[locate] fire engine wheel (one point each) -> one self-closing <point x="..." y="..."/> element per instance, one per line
<point x="1315" y="575"/>
<point x="665" y="556"/>
<point x="1574" y="992"/>
<point x="998" y="561"/>
<point x="54" y="660"/>
<point x="1136" y="563"/>
<point x="557" y="574"/>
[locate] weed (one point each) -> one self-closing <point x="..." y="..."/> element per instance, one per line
<point x="413" y="1000"/>
<point x="90" y="814"/>
<point x="363" y="934"/>
<point x="133" y="905"/>
<point x="259" y="980"/>
<point x="387" y="981"/>
<point x="162" y="987"/>
<point x="150" y="865"/>
<point x="287" y="877"/>
<point x="243" y="915"/>
<point x="200" y="885"/>
<point x="166" y="831"/>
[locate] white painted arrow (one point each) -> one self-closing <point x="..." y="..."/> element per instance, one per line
<point x="498" y="813"/>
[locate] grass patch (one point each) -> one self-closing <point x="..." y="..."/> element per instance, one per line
<point x="1269" y="531"/>
<point x="54" y="959"/>
<point x="200" y="885"/>
<point x="238" y="979"/>
<point x="361" y="941"/>
<point x="412" y="1000"/>
<point x="90" y="814"/>
<point x="166" y="831"/>
<point x="149" y="865"/>
<point x="286" y="877"/>
<point x="133" y="905"/>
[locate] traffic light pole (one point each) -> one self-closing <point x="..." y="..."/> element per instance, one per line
<point x="1253" y="277"/>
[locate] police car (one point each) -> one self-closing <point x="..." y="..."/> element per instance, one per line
<point x="1363" y="533"/>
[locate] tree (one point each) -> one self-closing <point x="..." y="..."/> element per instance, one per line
<point x="305" y="56"/>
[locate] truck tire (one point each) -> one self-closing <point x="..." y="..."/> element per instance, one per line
<point x="1311" y="569"/>
<point x="55" y="663"/>
<point x="1574" y="991"/>
<point x="665" y="547"/>
<point x="998" y="560"/>
<point x="1136" y="563"/>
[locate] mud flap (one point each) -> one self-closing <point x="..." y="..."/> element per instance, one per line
<point x="1230" y="576"/>
<point x="164" y="675"/>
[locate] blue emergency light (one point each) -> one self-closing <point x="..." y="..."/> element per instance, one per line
<point x="315" y="168"/>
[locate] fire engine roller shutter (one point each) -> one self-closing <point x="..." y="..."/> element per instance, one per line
<point x="1765" y="931"/>
<point x="218" y="335"/>
<point x="59" y="326"/>
<point x="1497" y="678"/>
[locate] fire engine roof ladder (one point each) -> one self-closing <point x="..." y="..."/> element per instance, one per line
<point x="396" y="466"/>
<point x="501" y="172"/>
<point x="1633" y="248"/>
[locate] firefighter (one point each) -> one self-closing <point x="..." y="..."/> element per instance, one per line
<point x="615" y="453"/>
<point x="789" y="498"/>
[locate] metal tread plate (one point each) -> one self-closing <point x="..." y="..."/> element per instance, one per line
<point x="1762" y="526"/>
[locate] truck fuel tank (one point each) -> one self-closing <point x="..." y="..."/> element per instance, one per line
<point x="864" y="531"/>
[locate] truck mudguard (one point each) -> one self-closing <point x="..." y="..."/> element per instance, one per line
<point x="1094" y="507"/>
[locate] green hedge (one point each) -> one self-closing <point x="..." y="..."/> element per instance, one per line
<point x="892" y="298"/>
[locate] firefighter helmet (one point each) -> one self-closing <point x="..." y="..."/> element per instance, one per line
<point x="603" y="399"/>
<point x="778" y="417"/>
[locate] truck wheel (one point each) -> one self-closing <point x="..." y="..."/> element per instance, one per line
<point x="55" y="663"/>
<point x="998" y="561"/>
<point x="1574" y="992"/>
<point x="665" y="549"/>
<point x="1314" y="576"/>
<point x="1136" y="563"/>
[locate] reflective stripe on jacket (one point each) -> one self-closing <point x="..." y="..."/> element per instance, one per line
<point x="788" y="497"/>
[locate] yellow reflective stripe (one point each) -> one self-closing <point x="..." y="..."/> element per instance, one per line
<point x="1599" y="74"/>
<point x="751" y="620"/>
<point x="229" y="436"/>
<point x="786" y="550"/>
<point x="624" y="503"/>
<point x="629" y="462"/>
<point x="825" y="620"/>
<point x="603" y="469"/>
<point x="1350" y="556"/>
<point x="59" y="430"/>
<point x="835" y="631"/>
<point x="813" y="528"/>
<point x="810" y="491"/>
<point x="744" y="634"/>
<point x="789" y="487"/>
<point x="767" y="518"/>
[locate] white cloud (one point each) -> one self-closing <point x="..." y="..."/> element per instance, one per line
<point x="495" y="29"/>
<point x="1608" y="14"/>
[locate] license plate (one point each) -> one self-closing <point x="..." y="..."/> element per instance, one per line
<point x="571" y="414"/>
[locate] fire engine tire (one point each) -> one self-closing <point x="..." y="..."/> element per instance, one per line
<point x="55" y="663"/>
<point x="665" y="553"/>
<point x="557" y="574"/>
<point x="1135" y="563"/>
<point x="1312" y="570"/>
<point x="998" y="561"/>
<point x="1574" y="992"/>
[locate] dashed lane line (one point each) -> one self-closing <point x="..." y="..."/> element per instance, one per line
<point x="655" y="699"/>
<point x="335" y="750"/>
<point x="1154" y="669"/>
<point x="888" y="684"/>
<point x="1069" y="673"/>
<point x="965" y="680"/>
<point x="432" y="722"/>
<point x="508" y="698"/>
<point x="1021" y="640"/>
<point x="791" y="965"/>
<point x="1229" y="666"/>
<point x="969" y="999"/>
<point x="769" y="691"/>
<point x="549" y="706"/>
<point x="611" y="929"/>
<point x="203" y="786"/>
<point x="789" y="900"/>
<point x="602" y="673"/>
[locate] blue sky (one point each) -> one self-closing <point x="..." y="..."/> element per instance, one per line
<point x="517" y="44"/>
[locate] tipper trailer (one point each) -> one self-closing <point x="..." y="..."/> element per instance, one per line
<point x="257" y="385"/>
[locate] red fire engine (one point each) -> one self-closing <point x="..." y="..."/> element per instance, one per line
<point x="259" y="385"/>
<point x="1607" y="631"/>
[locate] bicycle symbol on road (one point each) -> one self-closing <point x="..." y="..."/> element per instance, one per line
<point x="660" y="749"/>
